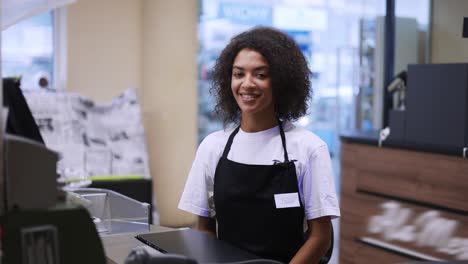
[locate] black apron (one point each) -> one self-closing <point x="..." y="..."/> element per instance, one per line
<point x="246" y="212"/>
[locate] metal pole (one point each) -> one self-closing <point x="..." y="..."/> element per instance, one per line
<point x="389" y="58"/>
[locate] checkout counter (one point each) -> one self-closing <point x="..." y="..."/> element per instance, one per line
<point x="404" y="198"/>
<point x="118" y="246"/>
<point x="401" y="204"/>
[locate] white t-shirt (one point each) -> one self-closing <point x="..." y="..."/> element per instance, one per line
<point x="313" y="167"/>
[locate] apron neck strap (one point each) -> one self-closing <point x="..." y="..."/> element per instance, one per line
<point x="229" y="142"/>
<point x="283" y="141"/>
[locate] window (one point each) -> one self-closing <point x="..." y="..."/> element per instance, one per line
<point x="27" y="51"/>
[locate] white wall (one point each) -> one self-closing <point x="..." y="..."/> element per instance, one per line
<point x="104" y="47"/>
<point x="447" y="25"/>
<point x="150" y="45"/>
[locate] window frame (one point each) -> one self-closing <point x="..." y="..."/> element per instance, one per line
<point x="60" y="68"/>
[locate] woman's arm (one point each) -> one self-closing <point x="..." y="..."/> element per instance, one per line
<point x="206" y="225"/>
<point x="317" y="243"/>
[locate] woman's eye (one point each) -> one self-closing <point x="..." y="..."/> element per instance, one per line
<point x="261" y="75"/>
<point x="237" y="74"/>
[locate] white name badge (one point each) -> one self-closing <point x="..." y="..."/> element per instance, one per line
<point x="287" y="200"/>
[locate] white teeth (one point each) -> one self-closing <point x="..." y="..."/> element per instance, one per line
<point x="248" y="96"/>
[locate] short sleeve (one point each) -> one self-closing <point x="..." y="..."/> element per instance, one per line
<point x="318" y="186"/>
<point x="197" y="196"/>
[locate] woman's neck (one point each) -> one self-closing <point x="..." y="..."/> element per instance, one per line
<point x="252" y="124"/>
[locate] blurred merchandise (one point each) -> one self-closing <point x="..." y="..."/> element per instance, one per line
<point x="94" y="140"/>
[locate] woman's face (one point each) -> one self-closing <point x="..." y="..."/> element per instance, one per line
<point x="251" y="84"/>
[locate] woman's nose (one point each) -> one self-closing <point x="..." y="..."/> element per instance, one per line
<point x="248" y="82"/>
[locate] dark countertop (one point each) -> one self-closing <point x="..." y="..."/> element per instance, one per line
<point x="363" y="137"/>
<point x="372" y="138"/>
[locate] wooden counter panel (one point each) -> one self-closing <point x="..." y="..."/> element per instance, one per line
<point x="419" y="183"/>
<point x="424" y="177"/>
<point x="363" y="214"/>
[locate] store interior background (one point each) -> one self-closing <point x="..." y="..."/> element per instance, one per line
<point x="164" y="49"/>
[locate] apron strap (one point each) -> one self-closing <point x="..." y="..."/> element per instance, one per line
<point x="227" y="148"/>
<point x="229" y="143"/>
<point x="283" y="140"/>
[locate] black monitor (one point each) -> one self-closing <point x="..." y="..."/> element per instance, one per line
<point x="20" y="120"/>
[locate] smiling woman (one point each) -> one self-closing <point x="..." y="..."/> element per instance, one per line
<point x="255" y="185"/>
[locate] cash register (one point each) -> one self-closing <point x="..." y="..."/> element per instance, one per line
<point x="37" y="226"/>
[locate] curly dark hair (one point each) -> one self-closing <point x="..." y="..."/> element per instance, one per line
<point x="288" y="70"/>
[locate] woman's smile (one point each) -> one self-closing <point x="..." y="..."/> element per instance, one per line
<point x="249" y="97"/>
<point x="251" y="85"/>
